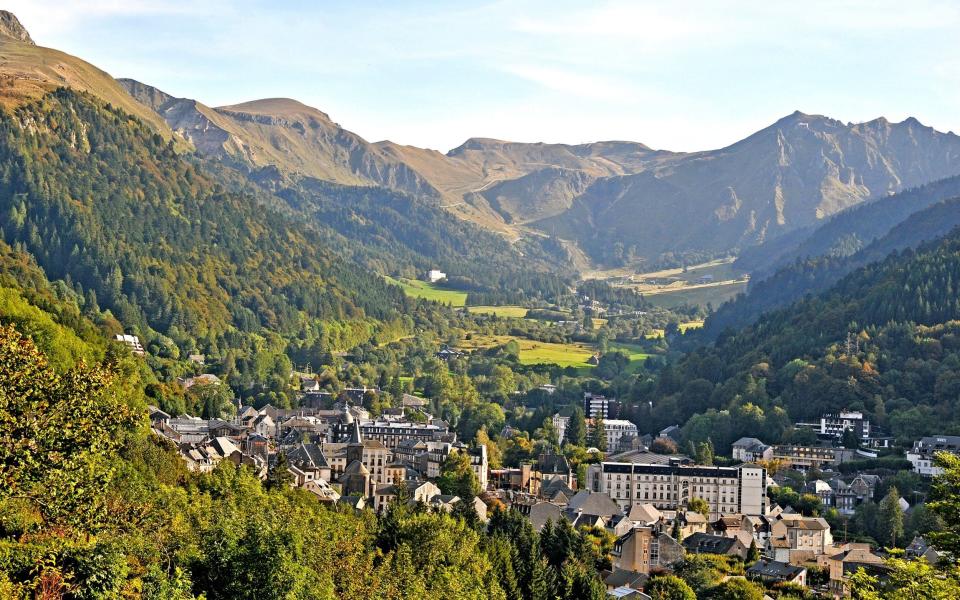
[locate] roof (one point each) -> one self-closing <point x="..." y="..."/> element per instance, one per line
<point x="806" y="523"/>
<point x="712" y="544"/>
<point x="644" y="513"/>
<point x="541" y="512"/>
<point x="625" y="578"/>
<point x="553" y="464"/>
<point x="307" y="455"/>
<point x="746" y="442"/>
<point x="593" y="503"/>
<point x="775" y="569"/>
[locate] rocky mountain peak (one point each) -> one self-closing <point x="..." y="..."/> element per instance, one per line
<point x="10" y="27"/>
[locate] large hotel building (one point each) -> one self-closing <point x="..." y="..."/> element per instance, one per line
<point x="727" y="490"/>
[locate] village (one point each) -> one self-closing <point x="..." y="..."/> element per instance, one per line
<point x="656" y="504"/>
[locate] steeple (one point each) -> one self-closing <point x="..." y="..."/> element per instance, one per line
<point x="355" y="437"/>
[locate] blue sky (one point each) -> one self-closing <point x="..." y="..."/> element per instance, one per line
<point x="675" y="75"/>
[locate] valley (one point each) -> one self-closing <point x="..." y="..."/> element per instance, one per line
<point x="246" y="353"/>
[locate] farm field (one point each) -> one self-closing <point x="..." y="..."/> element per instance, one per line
<point x="533" y="352"/>
<point x="657" y="333"/>
<point x="715" y="294"/>
<point x="430" y="291"/>
<point x="517" y="312"/>
<point x="564" y="355"/>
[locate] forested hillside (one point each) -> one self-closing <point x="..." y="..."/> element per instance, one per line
<point x="884" y="339"/>
<point x="813" y="275"/>
<point x="111" y="209"/>
<point x="847" y="232"/>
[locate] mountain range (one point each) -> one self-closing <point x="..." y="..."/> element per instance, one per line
<point x="617" y="201"/>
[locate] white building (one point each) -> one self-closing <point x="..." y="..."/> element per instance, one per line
<point x="132" y="342"/>
<point x="921" y="455"/>
<point x="617" y="429"/>
<point x="596" y="405"/>
<point x="435" y="275"/>
<point x="835" y="424"/>
<point x="727" y="490"/>
<point x="560" y="425"/>
<point x="748" y="449"/>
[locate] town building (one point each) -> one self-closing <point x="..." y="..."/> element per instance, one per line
<point x="924" y="449"/>
<point x="727" y="490"/>
<point x="803" y="458"/>
<point x="771" y="572"/>
<point x="645" y="549"/>
<point x="132" y="342"/>
<point x="748" y="449"/>
<point x="597" y="405"/>
<point x="795" y="538"/>
<point x="835" y="424"/>
<point x="616" y="430"/>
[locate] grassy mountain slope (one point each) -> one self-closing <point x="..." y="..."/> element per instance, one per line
<point x="850" y="230"/>
<point x="27" y="72"/>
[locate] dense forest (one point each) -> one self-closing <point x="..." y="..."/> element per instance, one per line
<point x="130" y="226"/>
<point x="813" y="275"/>
<point x="884" y="340"/>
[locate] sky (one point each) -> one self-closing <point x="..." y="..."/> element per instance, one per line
<point x="680" y="75"/>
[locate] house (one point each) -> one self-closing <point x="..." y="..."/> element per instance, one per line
<point x="748" y="449"/>
<point x="435" y="275"/>
<point x="691" y="522"/>
<point x="772" y="571"/>
<point x="621" y="578"/>
<point x="308" y="463"/>
<point x="673" y="432"/>
<point x="795" y="538"/>
<point x="322" y="491"/>
<point x="852" y="558"/>
<point x="924" y="449"/>
<point x="447" y="353"/>
<point x="132" y="342"/>
<point x="540" y="512"/>
<point x="309" y="384"/>
<point x="705" y="543"/>
<point x="591" y="503"/>
<point x="920" y="549"/>
<point x="644" y="549"/>
<point x="197" y="359"/>
<point x="626" y="593"/>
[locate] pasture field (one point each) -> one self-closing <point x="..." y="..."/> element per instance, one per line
<point x="516" y="312"/>
<point x="430" y="291"/>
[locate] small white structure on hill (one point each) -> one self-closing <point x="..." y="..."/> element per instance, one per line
<point x="435" y="275"/>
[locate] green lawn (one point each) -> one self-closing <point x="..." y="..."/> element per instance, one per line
<point x="517" y="312"/>
<point x="636" y="354"/>
<point x="430" y="291"/>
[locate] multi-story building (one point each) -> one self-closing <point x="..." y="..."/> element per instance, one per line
<point x="560" y="426"/>
<point x="921" y="455"/>
<point x="616" y="429"/>
<point x="748" y="449"/>
<point x="727" y="490"/>
<point x="391" y="433"/>
<point x="596" y="405"/>
<point x="430" y="462"/>
<point x="834" y="424"/>
<point x="803" y="458"/>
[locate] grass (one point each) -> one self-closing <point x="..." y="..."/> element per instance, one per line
<point x="430" y="291"/>
<point x="636" y="354"/>
<point x="515" y="312"/>
<point x="713" y="294"/>
<point x="535" y="353"/>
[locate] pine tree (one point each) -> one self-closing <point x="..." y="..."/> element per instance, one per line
<point x="576" y="432"/>
<point x="753" y="554"/>
<point x="598" y="435"/>
<point x="280" y="476"/>
<point x="890" y="518"/>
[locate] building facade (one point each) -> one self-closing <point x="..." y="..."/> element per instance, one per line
<point x="727" y="490"/>
<point x="921" y="455"/>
